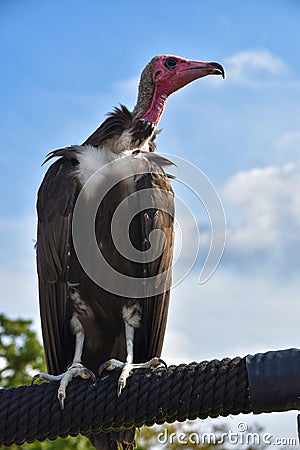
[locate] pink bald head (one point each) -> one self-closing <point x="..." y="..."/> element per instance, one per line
<point x="171" y="73"/>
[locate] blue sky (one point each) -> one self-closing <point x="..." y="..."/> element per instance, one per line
<point x="64" y="65"/>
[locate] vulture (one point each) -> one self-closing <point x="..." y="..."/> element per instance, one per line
<point x="93" y="320"/>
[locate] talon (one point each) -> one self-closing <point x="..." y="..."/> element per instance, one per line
<point x="121" y="386"/>
<point x="126" y="371"/>
<point x="107" y="365"/>
<point x="155" y="362"/>
<point x="61" y="398"/>
<point x="36" y="377"/>
<point x="161" y="362"/>
<point x="87" y="373"/>
<point x="111" y="364"/>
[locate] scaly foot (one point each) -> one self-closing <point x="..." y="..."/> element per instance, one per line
<point x="75" y="370"/>
<point x="127" y="368"/>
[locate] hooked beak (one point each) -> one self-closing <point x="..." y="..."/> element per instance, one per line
<point x="217" y="69"/>
<point x="200" y="69"/>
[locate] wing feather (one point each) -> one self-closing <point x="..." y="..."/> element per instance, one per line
<point x="155" y="308"/>
<point x="56" y="198"/>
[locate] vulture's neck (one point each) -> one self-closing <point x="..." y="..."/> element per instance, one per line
<point x="151" y="100"/>
<point x="123" y="130"/>
<point x="150" y="107"/>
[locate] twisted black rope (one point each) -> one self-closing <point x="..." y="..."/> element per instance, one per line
<point x="196" y="390"/>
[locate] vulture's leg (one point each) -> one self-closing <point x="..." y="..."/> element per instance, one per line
<point x="126" y="370"/>
<point x="128" y="367"/>
<point x="132" y="318"/>
<point x="77" y="369"/>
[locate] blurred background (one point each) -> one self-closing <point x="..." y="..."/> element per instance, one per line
<point x="64" y="65"/>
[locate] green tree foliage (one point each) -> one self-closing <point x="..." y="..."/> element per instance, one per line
<point x="21" y="354"/>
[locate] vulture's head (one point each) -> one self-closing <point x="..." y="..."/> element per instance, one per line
<point x="162" y="76"/>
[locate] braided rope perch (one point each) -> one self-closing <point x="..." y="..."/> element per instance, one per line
<point x="264" y="382"/>
<point x="196" y="390"/>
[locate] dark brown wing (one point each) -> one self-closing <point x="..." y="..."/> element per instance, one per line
<point x="117" y="122"/>
<point x="56" y="198"/>
<point x="150" y="335"/>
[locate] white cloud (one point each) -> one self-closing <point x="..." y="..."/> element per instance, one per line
<point x="265" y="206"/>
<point x="262" y="207"/>
<point x="251" y="67"/>
<point x="251" y="309"/>
<point x="289" y="140"/>
<point x="176" y="347"/>
<point x="256" y="60"/>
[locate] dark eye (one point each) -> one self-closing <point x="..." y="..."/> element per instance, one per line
<point x="171" y="63"/>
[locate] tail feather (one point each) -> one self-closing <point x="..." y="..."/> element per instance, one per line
<point x="114" y="440"/>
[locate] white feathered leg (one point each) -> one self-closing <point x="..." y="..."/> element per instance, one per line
<point x="132" y="319"/>
<point x="77" y="369"/>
